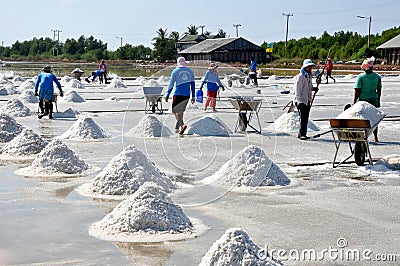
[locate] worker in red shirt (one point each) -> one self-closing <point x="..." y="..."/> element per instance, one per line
<point x="329" y="67"/>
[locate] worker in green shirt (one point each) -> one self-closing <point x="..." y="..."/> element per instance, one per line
<point x="368" y="88"/>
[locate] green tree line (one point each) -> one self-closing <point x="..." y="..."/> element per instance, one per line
<point x="341" y="46"/>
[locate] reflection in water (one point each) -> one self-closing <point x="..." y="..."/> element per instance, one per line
<point x="64" y="192"/>
<point x="145" y="253"/>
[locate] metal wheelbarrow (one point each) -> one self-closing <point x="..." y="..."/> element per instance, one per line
<point x="247" y="108"/>
<point x="153" y="97"/>
<point x="352" y="131"/>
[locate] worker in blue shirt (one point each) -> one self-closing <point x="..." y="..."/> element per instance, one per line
<point x="213" y="82"/>
<point x="44" y="83"/>
<point x="95" y="74"/>
<point x="253" y="70"/>
<point x="183" y="79"/>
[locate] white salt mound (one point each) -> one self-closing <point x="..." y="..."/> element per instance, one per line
<point x="116" y="83"/>
<point x="391" y="162"/>
<point x="73" y="96"/>
<point x="73" y="84"/>
<point x="9" y="128"/>
<point x="290" y="122"/>
<point x="250" y="167"/>
<point x="64" y="80"/>
<point x="126" y="172"/>
<point x="27" y="85"/>
<point x="363" y="110"/>
<point x="85" y="128"/>
<point x="163" y="79"/>
<point x="18" y="79"/>
<point x="8" y="89"/>
<point x="236" y="248"/>
<point x="4" y="80"/>
<point x="69" y="113"/>
<point x="208" y="126"/>
<point x="14" y="107"/>
<point x="25" y="144"/>
<point x="149" y="211"/>
<point x="57" y="158"/>
<point x="28" y="96"/>
<point x="349" y="76"/>
<point x="151" y="83"/>
<point x="150" y="126"/>
<point x="273" y="77"/>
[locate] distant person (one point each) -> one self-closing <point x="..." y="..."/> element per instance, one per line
<point x="93" y="76"/>
<point x="44" y="83"/>
<point x="329" y="67"/>
<point x="303" y="89"/>
<point x="368" y="87"/>
<point x="103" y="71"/>
<point x="213" y="83"/>
<point x="253" y="70"/>
<point x="183" y="79"/>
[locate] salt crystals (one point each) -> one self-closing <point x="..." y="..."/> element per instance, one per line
<point x="150" y="126"/>
<point x="9" y="128"/>
<point x="14" y="107"/>
<point x="25" y="144"/>
<point x="85" y="128"/>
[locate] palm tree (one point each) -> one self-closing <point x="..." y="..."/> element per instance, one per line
<point x="174" y="36"/>
<point x="192" y="30"/>
<point x="221" y="34"/>
<point x="162" y="35"/>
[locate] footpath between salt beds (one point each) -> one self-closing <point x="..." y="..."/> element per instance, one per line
<point x="105" y="184"/>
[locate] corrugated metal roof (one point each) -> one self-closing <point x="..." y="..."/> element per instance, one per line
<point x="192" y="37"/>
<point x="392" y="43"/>
<point x="208" y="45"/>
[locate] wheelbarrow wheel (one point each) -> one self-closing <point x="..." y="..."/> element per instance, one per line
<point x="241" y="80"/>
<point x="230" y="83"/>
<point x="242" y="121"/>
<point x="359" y="153"/>
<point x="153" y="108"/>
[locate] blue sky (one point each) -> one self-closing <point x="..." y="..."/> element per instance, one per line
<point x="137" y="21"/>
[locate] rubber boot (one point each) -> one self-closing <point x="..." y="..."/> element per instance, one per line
<point x="41" y="114"/>
<point x="50" y="110"/>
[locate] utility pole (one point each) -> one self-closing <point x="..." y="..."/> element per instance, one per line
<point x="201" y="26"/>
<point x="287" y="27"/>
<point x="121" y="40"/>
<point x="56" y="44"/>
<point x="369" y="26"/>
<point x="237" y="31"/>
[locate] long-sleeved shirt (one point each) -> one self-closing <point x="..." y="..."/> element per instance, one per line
<point x="45" y="82"/>
<point x="212" y="80"/>
<point x="253" y="65"/>
<point x="103" y="67"/>
<point x="183" y="79"/>
<point x="303" y="88"/>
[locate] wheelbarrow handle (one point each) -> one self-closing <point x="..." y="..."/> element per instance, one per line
<point x="323" y="133"/>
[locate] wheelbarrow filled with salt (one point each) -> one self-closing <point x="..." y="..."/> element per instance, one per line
<point x="153" y="97"/>
<point x="355" y="125"/>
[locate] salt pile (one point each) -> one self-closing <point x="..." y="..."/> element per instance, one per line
<point x="27" y="85"/>
<point x="4" y="80"/>
<point x="151" y="83"/>
<point x="8" y="89"/>
<point x="392" y="162"/>
<point x="125" y="173"/>
<point x="363" y="110"/>
<point x="9" y="128"/>
<point x="69" y="113"/>
<point x="208" y="126"/>
<point x="25" y="144"/>
<point x="55" y="159"/>
<point x="64" y="80"/>
<point x="236" y="248"/>
<point x="28" y="96"/>
<point x="290" y="122"/>
<point x="163" y="79"/>
<point x="116" y="83"/>
<point x="150" y="126"/>
<point x="73" y="84"/>
<point x="148" y="212"/>
<point x="18" y="79"/>
<point x="250" y="167"/>
<point x="85" y="128"/>
<point x="14" y="107"/>
<point x="273" y="77"/>
<point x="141" y="80"/>
<point x="73" y="96"/>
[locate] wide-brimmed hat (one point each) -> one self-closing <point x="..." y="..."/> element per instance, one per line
<point x="181" y="61"/>
<point x="212" y="66"/>
<point x="46" y="68"/>
<point x="307" y="62"/>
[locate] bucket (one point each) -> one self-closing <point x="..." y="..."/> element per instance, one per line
<point x="258" y="91"/>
